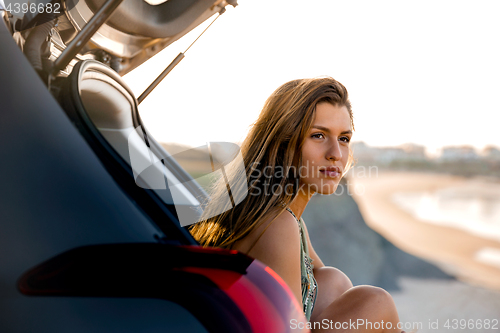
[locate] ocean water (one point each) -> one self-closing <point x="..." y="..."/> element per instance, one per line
<point x="473" y="207"/>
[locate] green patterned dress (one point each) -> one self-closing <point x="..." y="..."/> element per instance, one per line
<point x="309" y="285"/>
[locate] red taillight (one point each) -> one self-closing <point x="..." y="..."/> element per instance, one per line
<point x="264" y="312"/>
<point x="259" y="310"/>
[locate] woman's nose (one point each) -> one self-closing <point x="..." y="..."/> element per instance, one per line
<point x="334" y="153"/>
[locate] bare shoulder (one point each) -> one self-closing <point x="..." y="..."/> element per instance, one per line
<point x="279" y="248"/>
<point x="280" y="236"/>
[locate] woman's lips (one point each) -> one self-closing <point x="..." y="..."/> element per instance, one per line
<point x="331" y="172"/>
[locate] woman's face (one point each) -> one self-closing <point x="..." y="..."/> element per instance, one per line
<point x="326" y="149"/>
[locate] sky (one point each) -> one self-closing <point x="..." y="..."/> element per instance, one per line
<point x="425" y="72"/>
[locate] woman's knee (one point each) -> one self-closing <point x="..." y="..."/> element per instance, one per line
<point x="361" y="302"/>
<point x="375" y="294"/>
<point x="376" y="298"/>
<point x="332" y="283"/>
<point x="334" y="278"/>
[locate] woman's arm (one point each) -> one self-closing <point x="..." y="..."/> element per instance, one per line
<point x="279" y="248"/>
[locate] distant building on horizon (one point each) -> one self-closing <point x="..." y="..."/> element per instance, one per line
<point x="458" y="153"/>
<point x="491" y="153"/>
<point x="462" y="160"/>
<point x="363" y="152"/>
<point x="385" y="155"/>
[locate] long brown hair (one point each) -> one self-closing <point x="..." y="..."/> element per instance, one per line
<point x="271" y="153"/>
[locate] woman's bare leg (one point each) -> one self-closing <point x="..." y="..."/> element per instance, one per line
<point x="360" y="305"/>
<point x="332" y="283"/>
<point x="339" y="302"/>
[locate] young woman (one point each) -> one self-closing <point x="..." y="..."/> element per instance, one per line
<point x="298" y="146"/>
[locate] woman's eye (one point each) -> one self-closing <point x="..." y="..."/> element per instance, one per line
<point x="345" y="139"/>
<point x="318" y="135"/>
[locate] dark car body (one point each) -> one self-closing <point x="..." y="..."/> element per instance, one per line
<point x="84" y="249"/>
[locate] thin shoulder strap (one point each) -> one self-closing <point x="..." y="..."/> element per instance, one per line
<point x="296" y="219"/>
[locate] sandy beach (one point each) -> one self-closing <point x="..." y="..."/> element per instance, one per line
<point x="452" y="249"/>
